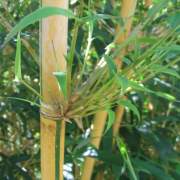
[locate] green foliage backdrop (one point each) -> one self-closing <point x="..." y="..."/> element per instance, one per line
<point x="153" y="143"/>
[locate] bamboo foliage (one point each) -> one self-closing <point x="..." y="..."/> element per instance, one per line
<point x="127" y="10"/>
<point x="100" y="90"/>
<point x="53" y="48"/>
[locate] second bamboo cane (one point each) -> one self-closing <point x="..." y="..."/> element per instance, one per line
<point x="127" y="10"/>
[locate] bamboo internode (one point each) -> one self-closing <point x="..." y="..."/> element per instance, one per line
<point x="96" y="135"/>
<point x="148" y="3"/>
<point x="53" y="44"/>
<point x="127" y="12"/>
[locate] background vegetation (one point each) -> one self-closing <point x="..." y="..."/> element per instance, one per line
<point x="153" y="143"/>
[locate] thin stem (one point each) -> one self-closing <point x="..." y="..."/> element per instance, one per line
<point x="31" y="89"/>
<point x="72" y="50"/>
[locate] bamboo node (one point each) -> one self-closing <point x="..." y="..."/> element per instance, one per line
<point x="51" y="112"/>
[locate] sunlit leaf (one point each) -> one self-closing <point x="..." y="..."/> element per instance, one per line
<point x="165" y="95"/>
<point x="161" y="69"/>
<point x="111" y="65"/>
<point x="129" y="105"/>
<point x="62" y="81"/>
<point x="123" y="82"/>
<point x="111" y="119"/>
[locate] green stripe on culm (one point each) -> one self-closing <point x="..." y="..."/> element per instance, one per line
<point x="57" y="149"/>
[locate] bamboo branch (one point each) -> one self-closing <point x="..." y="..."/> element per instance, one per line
<point x="53" y="40"/>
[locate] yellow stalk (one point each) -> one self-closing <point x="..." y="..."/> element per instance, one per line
<point x="53" y="48"/>
<point x="127" y="11"/>
<point x="100" y="175"/>
<point x="96" y="134"/>
<point x="148" y="3"/>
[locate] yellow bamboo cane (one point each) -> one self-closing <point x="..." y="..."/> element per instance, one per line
<point x="148" y="3"/>
<point x="127" y="10"/>
<point x="98" y="127"/>
<point x="53" y="44"/>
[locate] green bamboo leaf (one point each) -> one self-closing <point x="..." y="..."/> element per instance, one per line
<point x="123" y="82"/>
<point x="126" y="60"/>
<point x="152" y="168"/>
<point x="36" y="16"/>
<point x="124" y="153"/>
<point x="111" y="65"/>
<point x="129" y="105"/>
<point x="149" y="40"/>
<point x="62" y="81"/>
<point x="139" y="87"/>
<point x="161" y="69"/>
<point x="157" y="8"/>
<point x="111" y="119"/>
<point x="174" y="19"/>
<point x="165" y="95"/>
<point x="18" y="75"/>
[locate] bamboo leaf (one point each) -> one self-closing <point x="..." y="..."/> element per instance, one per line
<point x="62" y="82"/>
<point x="36" y="16"/>
<point x="161" y="69"/>
<point x="111" y="119"/>
<point x="165" y="95"/>
<point x="111" y="65"/>
<point x="174" y="19"/>
<point x="126" y="60"/>
<point x="18" y="75"/>
<point x="157" y="8"/>
<point x="123" y="82"/>
<point x="139" y="87"/>
<point x="124" y="153"/>
<point x="129" y="105"/>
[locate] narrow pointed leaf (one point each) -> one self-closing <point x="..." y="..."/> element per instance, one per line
<point x="62" y="81"/>
<point x="123" y="82"/>
<point x="111" y="65"/>
<point x="18" y="75"/>
<point x="165" y="95"/>
<point x="111" y="119"/>
<point x="129" y="105"/>
<point x="157" y="8"/>
<point x="161" y="69"/>
<point x="139" y="87"/>
<point x="36" y="16"/>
